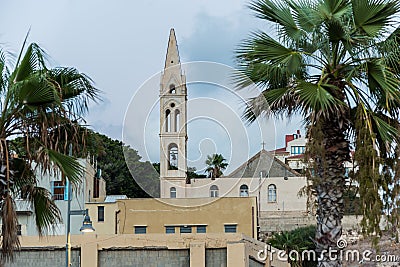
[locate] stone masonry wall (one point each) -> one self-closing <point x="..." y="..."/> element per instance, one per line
<point x="43" y="258"/>
<point x="216" y="257"/>
<point x="144" y="257"/>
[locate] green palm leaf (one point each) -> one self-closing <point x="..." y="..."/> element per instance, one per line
<point x="69" y="166"/>
<point x="372" y="16"/>
<point x="279" y="13"/>
<point x="47" y="214"/>
<point x="334" y="9"/>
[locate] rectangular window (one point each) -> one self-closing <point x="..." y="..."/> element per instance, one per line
<point x="140" y="229"/>
<point x="230" y="228"/>
<point x="201" y="229"/>
<point x="185" y="229"/>
<point x="19" y="229"/>
<point x="170" y="229"/>
<point x="58" y="190"/>
<point x="297" y="150"/>
<point x="100" y="213"/>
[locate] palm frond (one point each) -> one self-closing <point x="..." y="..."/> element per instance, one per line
<point x="279" y="13"/>
<point x="334" y="9"/>
<point x="76" y="89"/>
<point x="383" y="85"/>
<point x="305" y="14"/>
<point x="35" y="92"/>
<point x="386" y="131"/>
<point x="69" y="166"/>
<point x="316" y="98"/>
<point x="47" y="214"/>
<point x="372" y="16"/>
<point x="32" y="61"/>
<point x="262" y="74"/>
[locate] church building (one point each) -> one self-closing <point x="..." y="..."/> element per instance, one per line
<point x="275" y="185"/>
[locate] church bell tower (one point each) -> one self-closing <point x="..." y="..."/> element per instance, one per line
<point x="173" y="132"/>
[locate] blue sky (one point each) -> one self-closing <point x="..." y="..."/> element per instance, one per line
<point x="121" y="44"/>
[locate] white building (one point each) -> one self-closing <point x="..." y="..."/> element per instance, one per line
<point x="92" y="189"/>
<point x="293" y="153"/>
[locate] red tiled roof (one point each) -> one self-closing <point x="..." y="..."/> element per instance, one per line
<point x="279" y="150"/>
<point x="300" y="156"/>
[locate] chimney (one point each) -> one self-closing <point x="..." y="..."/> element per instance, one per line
<point x="298" y="134"/>
<point x="288" y="138"/>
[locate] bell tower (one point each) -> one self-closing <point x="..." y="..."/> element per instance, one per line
<point x="173" y="132"/>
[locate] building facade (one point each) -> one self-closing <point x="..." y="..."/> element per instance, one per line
<point x="92" y="189"/>
<point x="175" y="216"/>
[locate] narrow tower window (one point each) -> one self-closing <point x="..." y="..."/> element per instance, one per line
<point x="177" y="118"/>
<point x="173" y="157"/>
<point x="167" y="120"/>
<point x="172" y="89"/>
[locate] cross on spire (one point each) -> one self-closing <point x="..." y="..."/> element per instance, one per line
<point x="263" y="145"/>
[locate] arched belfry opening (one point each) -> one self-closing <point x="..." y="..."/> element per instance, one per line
<point x="173" y="157"/>
<point x="172" y="89"/>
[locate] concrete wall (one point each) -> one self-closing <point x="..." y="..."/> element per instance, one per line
<point x="287" y="221"/>
<point x="216" y="257"/>
<point x="213" y="250"/>
<point x="144" y="257"/>
<point x="47" y="257"/>
<point x="254" y="263"/>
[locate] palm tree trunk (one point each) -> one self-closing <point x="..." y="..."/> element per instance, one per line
<point x="329" y="185"/>
<point x="10" y="240"/>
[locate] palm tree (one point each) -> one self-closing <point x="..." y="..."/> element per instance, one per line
<point x="336" y="63"/>
<point x="297" y="240"/>
<point x="215" y="165"/>
<point x="43" y="107"/>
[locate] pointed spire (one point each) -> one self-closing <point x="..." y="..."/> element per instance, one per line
<point x="172" y="58"/>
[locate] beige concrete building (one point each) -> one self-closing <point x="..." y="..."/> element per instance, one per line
<point x="176" y="216"/>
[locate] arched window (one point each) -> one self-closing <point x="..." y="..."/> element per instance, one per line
<point x="177" y="118"/>
<point x="172" y="192"/>
<point x="167" y="120"/>
<point x="272" y="193"/>
<point x="172" y="89"/>
<point x="214" y="191"/>
<point x="172" y="157"/>
<point x="244" y="190"/>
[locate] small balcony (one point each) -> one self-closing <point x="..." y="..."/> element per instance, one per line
<point x="23" y="206"/>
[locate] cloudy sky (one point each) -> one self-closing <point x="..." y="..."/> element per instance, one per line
<point x="121" y="45"/>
